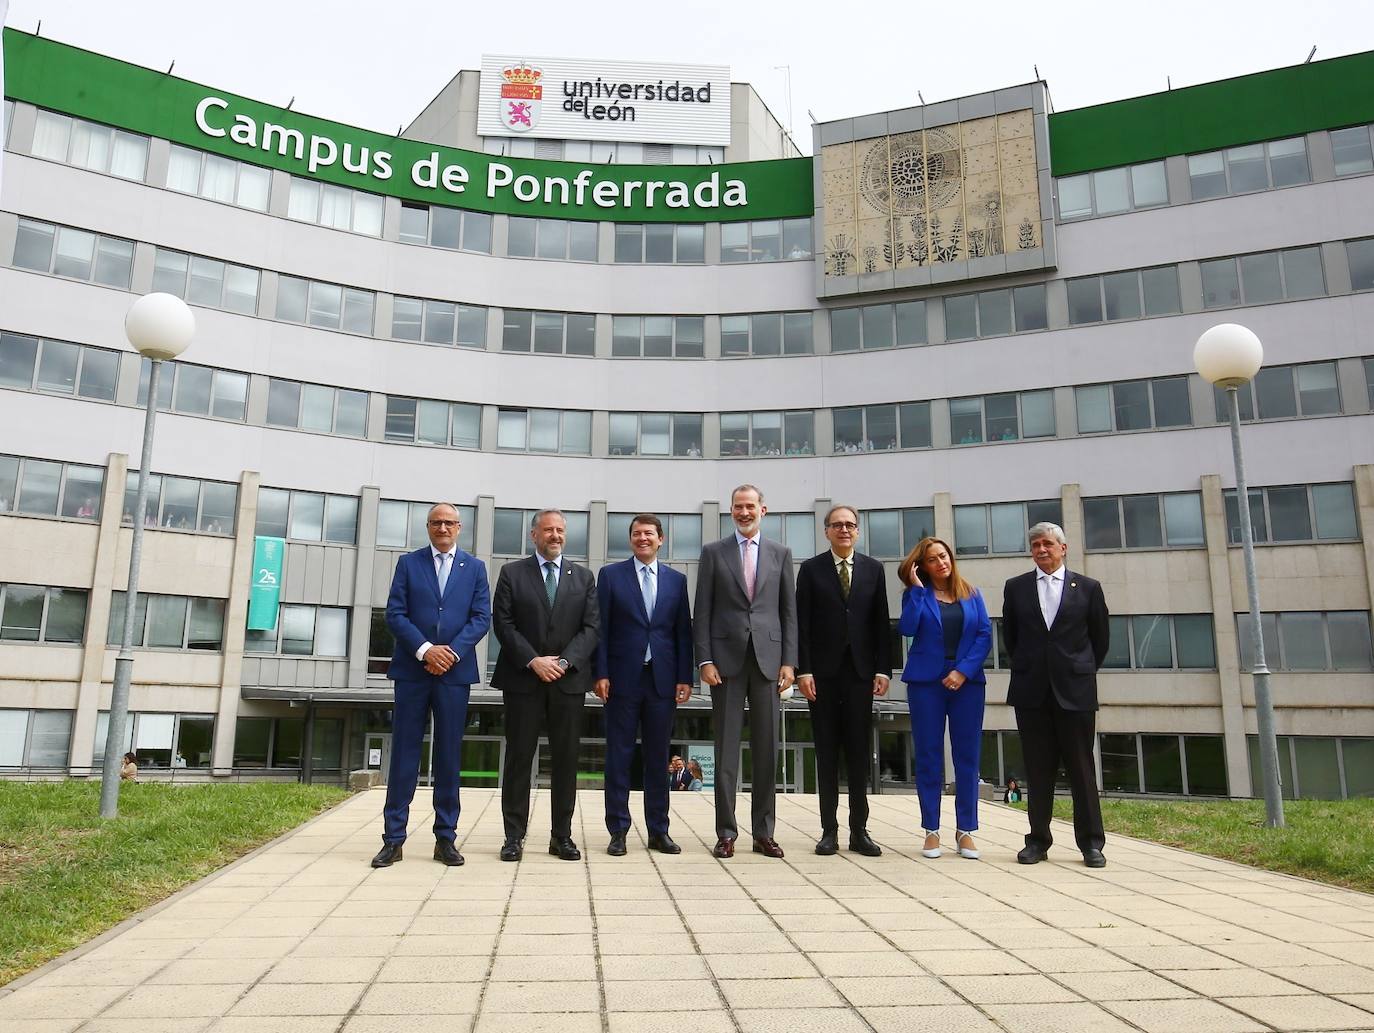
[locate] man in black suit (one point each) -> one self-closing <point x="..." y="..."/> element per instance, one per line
<point x="1055" y="627"/>
<point x="845" y="647"/>
<point x="545" y="616"/>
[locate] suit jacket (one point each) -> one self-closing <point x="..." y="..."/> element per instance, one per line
<point x="416" y="614"/>
<point x="828" y="624"/>
<point x="726" y="619"/>
<point x="526" y="626"/>
<point x="626" y="630"/>
<point x="921" y="622"/>
<point x="1063" y="658"/>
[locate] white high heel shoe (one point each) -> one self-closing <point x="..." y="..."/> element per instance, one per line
<point x="970" y="851"/>
<point x="931" y="851"/>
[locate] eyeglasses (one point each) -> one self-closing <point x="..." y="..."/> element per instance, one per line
<point x="444" y="523"/>
<point x="843" y="525"/>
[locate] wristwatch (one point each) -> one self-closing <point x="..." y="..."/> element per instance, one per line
<point x="563" y="664"/>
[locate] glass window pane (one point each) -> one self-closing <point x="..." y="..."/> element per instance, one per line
<point x="1112" y="190"/>
<point x="1196" y="647"/>
<point x="1101" y="523"/>
<point x="283" y="403"/>
<point x="1075" y="196"/>
<point x="520" y="235"/>
<point x="192" y="393"/>
<point x="658" y="337"/>
<point x="292" y="295"/>
<point x="624" y="434"/>
<point x="357" y="311"/>
<point x="961" y="318"/>
<point x="1000" y="417"/>
<point x="1120" y="766"/>
<point x="577" y="433"/>
<point x="307" y="516"/>
<point x="297" y="625"/>
<point x="994" y="313"/>
<point x="14" y="728"/>
<point x="341" y="519"/>
<point x="1206" y="757"/>
<point x="1161" y="290"/>
<point x="1148" y="184"/>
<point x="74" y="254"/>
<point x="1350" y="148"/>
<point x="392" y="520"/>
<point x="180" y="501"/>
<point x="1171" y="405"/>
<point x="444" y="226"/>
<point x="350" y="413"/>
<point x="1303" y="641"/>
<point x="206" y="283"/>
<point x="254" y="187"/>
<point x="966" y="420"/>
<point x="658" y="242"/>
<point x="687" y="435"/>
<point x="970" y="531"/>
<point x="81" y="493"/>
<point x="877" y="326"/>
<point x="1220" y="283"/>
<point x="218" y="504"/>
<point x="1273" y="387"/>
<point x="304" y="201"/>
<point x="685" y="543"/>
<point x="1085" y="300"/>
<point x="331" y="631"/>
<point x="1140" y="514"/>
<point x="1350" y="640"/>
<point x="1289" y="520"/>
<point x="440" y="321"/>
<point x="1288" y="161"/>
<point x="1245" y="166"/>
<point x="691" y="243"/>
<point x="1260" y="279"/>
<point x="1029" y="303"/>
<point x="654" y="434"/>
<point x="166" y="621"/>
<point x="1318" y="770"/>
<point x="57" y="367"/>
<point x="466" y="425"/>
<point x="18" y="356"/>
<point x="1163" y="763"/>
<point x="845" y="327"/>
<point x="50" y="738"/>
<point x="1122" y="291"/>
<point x="1318" y="392"/>
<point x="1131" y="405"/>
<point x="1302" y="273"/>
<point x="1037" y="414"/>
<point x="544" y="429"/>
<point x="39" y="490"/>
<point x="911" y="321"/>
<point x="577" y="534"/>
<point x="914" y="424"/>
<point x="582" y="241"/>
<point x="431" y="423"/>
<point x="206" y="630"/>
<point x="9" y="477"/>
<point x="33" y="245"/>
<point x="22" y="615"/>
<point x="1335" y="508"/>
<point x="629" y="243"/>
<point x="580" y="333"/>
<point x="99" y="374"/>
<point x="882" y="533"/>
<point x="1183" y="519"/>
<point x="766" y="437"/>
<point x="183" y="170"/>
<point x="1009" y="525"/>
<point x="517" y="329"/>
<point x="766" y="331"/>
<point x="169" y="272"/>
<point x="510" y="428"/>
<point x="229" y="395"/>
<point x="1152" y="646"/>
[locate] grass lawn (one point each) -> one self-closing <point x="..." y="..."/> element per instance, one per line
<point x="66" y="875"/>
<point x="1330" y="841"/>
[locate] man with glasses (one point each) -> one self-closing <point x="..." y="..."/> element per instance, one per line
<point x="438" y="610"/>
<point x="844" y="648"/>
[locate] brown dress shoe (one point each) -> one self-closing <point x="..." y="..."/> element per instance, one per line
<point x="724" y="848"/>
<point x="767" y="847"/>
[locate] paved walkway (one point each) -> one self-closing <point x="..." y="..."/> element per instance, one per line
<point x="305" y="938"/>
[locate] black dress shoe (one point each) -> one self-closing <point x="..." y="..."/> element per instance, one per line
<point x="617" y="846"/>
<point x="512" y="850"/>
<point x="1094" y="859"/>
<point x="664" y="844"/>
<point x="446" y="851"/>
<point x="828" y="844"/>
<point x="767" y="847"/>
<point x="860" y="842"/>
<point x="564" y="848"/>
<point x="387" y="856"/>
<point x="724" y="848"/>
<point x="1031" y="853"/>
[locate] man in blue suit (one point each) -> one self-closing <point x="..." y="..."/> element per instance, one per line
<point x="643" y="670"/>
<point x="438" y="610"/>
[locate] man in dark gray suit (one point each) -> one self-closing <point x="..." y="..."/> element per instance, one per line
<point x="545" y="615"/>
<point x="745" y="633"/>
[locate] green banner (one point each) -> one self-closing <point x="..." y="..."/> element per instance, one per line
<point x="265" y="590"/>
<point x="103" y="89"/>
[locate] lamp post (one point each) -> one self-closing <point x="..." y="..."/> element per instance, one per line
<point x="160" y="326"/>
<point x="1229" y="355"/>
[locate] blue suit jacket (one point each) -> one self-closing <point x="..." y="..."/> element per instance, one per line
<point x="921" y="622"/>
<point x="416" y="615"/>
<point x="626" y="629"/>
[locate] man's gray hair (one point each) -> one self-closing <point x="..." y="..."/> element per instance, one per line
<point x="746" y="487"/>
<point x="534" y="521"/>
<point x="436" y="505"/>
<point x="1045" y="529"/>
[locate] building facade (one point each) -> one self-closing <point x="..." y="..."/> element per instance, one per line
<point x="960" y="318"/>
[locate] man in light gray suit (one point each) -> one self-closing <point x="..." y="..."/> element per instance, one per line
<point x="745" y="633"/>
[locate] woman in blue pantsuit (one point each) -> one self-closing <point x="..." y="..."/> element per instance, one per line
<point x="951" y="635"/>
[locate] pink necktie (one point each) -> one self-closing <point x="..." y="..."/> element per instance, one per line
<point x="748" y="562"/>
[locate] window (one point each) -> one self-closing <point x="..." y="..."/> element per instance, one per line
<point x="1172" y="521"/>
<point x="1125" y="295"/>
<point x="34" y="738"/>
<point x="313" y="407"/>
<point x="401" y="525"/>
<point x="1361" y="256"/>
<point x="74" y="141"/>
<point x="206" y="281"/>
<point x="267" y="742"/>
<point x="880" y="427"/>
<point x="544" y="430"/>
<point x="891" y="533"/>
<point x="548" y="333"/>
<point x="218" y="179"/>
<point x="766" y="240"/>
<point x="162" y="740"/>
<point x="995" y="313"/>
<point x="1180" y="641"/>
<point x="1296" y="513"/>
<point x="303" y="631"/>
<point x="795" y="530"/>
<point x="655" y="434"/>
<point x="334" y="206"/>
<point x="37" y="487"/>
<point x="31" y="363"/>
<point x="326" y="305"/>
<point x="766" y="333"/>
<point x="1309" y="640"/>
<point x="657" y="337"/>
<point x="511" y="536"/>
<point x="1006" y="417"/>
<point x="439" y="322"/>
<point x="1369" y="380"/>
<point x="1283" y="392"/>
<point x="1133" y="405"/>
<point x="1257" y="166"/>
<point x="551" y="238"/>
<point x="431" y="422"/>
<point x="1351" y="149"/>
<point x="1193" y="765"/>
<point x="34" y="613"/>
<point x="445" y="227"/>
<point x="64" y="251"/>
<point x="681" y="534"/>
<point x="183" y="503"/>
<point x="169" y="622"/>
<point x="1110" y="191"/>
<point x="1000" y="528"/>
<point x="660" y="242"/>
<point x="196" y="390"/>
<point x="1263" y="278"/>
<point x="767" y="434"/>
<point x="878" y="326"/>
<point x="381" y="643"/>
<point x="307" y="516"/>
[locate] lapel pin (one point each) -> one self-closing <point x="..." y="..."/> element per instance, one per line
<point x="1073" y="584"/>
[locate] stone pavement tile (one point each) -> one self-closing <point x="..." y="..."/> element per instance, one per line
<point x="754" y="922"/>
<point x="969" y="963"/>
<point x="1176" y="957"/>
<point x="1267" y="955"/>
<point x="1365" y="1001"/>
<point x="301" y="969"/>
<point x="1233" y="982"/>
<point x="274" y="1024"/>
<point x="108" y="971"/>
<point x="760" y="966"/>
<point x="894" y="921"/>
<point x="210" y="971"/>
<point x="389" y="1023"/>
<point x="779" y="993"/>
<point x="801" y="905"/>
<point x="1033" y="937"/>
<point x="663" y="945"/>
<point x="652" y="995"/>
<point x="157" y="1001"/>
<point x="444" y="969"/>
<point x="744" y="943"/>
<point x="279" y="907"/>
<point x="299" y="999"/>
<point x="1312" y="1012"/>
<point x="542" y="924"/>
<point x="1071" y="959"/>
<point x="250" y="927"/>
<point x="431" y="946"/>
<point x="444" y="925"/>
<point x="1033" y="989"/>
<point x="27" y="1025"/>
<point x="1214" y="932"/>
<point x="434" y="908"/>
<point x="377" y="925"/>
<point x="1195" y="1015"/>
<point x="1125" y="934"/>
<point x="799" y="1020"/>
<point x="1081" y="1017"/>
<point x="932" y="1018"/>
<point x="866" y="963"/>
<point x="515" y="1022"/>
<point x="346" y="946"/>
<point x="1123" y="986"/>
<point x="878" y="991"/>
<point x="540" y="995"/>
<point x="847" y="942"/>
<point x="119" y="949"/>
<point x="538" y="943"/>
<point x="156" y="928"/>
<point x="180" y="1024"/>
<point x="643" y="967"/>
<point x="821" y="923"/>
<point x="237" y="947"/>
<point x="420" y="999"/>
<point x="949" y="939"/>
<point x="613" y="907"/>
<point x="632" y="925"/>
<point x="518" y="968"/>
<point x="670" y="1022"/>
<point x="1328" y="979"/>
<point x="1358" y="951"/>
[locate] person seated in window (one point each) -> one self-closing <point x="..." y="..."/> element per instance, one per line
<point x="214" y="527"/>
<point x="1008" y="435"/>
<point x="793" y="449"/>
<point x="806" y="448"/>
<point x="969" y="438"/>
<point x="183" y="524"/>
<point x="694" y="450"/>
<point x="87" y="509"/>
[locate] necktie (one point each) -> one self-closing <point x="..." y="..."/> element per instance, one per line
<point x="747" y="559"/>
<point x="550" y="583"/>
<point x="444" y="557"/>
<point x="844" y="578"/>
<point x="1049" y="599"/>
<point x="647" y="589"/>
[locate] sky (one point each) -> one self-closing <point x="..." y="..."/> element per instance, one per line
<point x="376" y="65"/>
